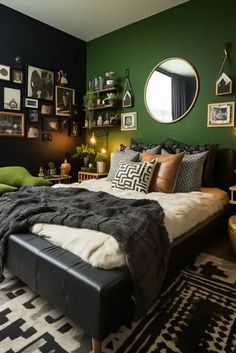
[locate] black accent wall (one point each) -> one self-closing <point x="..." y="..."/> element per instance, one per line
<point x="46" y="47"/>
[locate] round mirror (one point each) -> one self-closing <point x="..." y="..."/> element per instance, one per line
<point x="171" y="90"/>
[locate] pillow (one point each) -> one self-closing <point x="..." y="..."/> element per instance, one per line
<point x="141" y="147"/>
<point x="118" y="156"/>
<point x="190" y="174"/>
<point x="173" y="146"/>
<point x="166" y="171"/>
<point x="134" y="176"/>
<point x="6" y="188"/>
<point x="19" y="176"/>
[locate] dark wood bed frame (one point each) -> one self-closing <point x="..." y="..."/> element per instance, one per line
<point x="95" y="302"/>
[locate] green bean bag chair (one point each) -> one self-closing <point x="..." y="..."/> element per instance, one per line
<point x="18" y="176"/>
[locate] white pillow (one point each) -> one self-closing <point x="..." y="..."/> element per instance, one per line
<point x="134" y="176"/>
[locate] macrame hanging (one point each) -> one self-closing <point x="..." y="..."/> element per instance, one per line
<point x="128" y="97"/>
<point x="224" y="83"/>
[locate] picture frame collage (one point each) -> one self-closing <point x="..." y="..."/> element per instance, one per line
<point x="34" y="106"/>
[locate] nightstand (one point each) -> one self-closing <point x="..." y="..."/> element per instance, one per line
<point x="232" y="220"/>
<point x="90" y="175"/>
<point x="59" y="179"/>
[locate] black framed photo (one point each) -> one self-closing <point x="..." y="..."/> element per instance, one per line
<point x="31" y="103"/>
<point x="50" y="124"/>
<point x="65" y="98"/>
<point x="33" y="115"/>
<point x="12" y="98"/>
<point x="224" y="85"/>
<point x="40" y="83"/>
<point x="46" y="108"/>
<point x="5" y="72"/>
<point x="17" y="76"/>
<point x="12" y="124"/>
<point x="33" y="131"/>
<point x="74" y="128"/>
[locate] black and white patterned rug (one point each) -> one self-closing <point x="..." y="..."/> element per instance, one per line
<point x="196" y="314"/>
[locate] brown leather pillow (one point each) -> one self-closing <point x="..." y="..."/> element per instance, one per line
<point x="166" y="171"/>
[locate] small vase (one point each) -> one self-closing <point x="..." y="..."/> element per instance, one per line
<point x="101" y="167"/>
<point x="65" y="168"/>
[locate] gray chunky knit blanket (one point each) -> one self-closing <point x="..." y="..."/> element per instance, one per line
<point x="137" y="225"/>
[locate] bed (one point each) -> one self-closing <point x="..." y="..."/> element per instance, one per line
<point x="100" y="300"/>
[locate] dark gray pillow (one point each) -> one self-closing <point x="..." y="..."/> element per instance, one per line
<point x="118" y="156"/>
<point x="190" y="173"/>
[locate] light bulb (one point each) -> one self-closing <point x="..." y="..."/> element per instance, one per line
<point x="93" y="139"/>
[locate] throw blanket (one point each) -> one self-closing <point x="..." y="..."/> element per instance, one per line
<point x="137" y="225"/>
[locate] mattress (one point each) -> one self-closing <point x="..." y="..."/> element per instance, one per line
<point x="183" y="211"/>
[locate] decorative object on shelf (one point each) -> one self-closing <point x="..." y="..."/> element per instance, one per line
<point x="33" y="132"/>
<point x="221" y="114"/>
<point x="65" y="97"/>
<point x="99" y="120"/>
<point x="46" y="108"/>
<point x="129" y="121"/>
<point x="12" y="124"/>
<point x="74" y="128"/>
<point x="17" y="76"/>
<point x="128" y="97"/>
<point x="115" y="119"/>
<point x="52" y="168"/>
<point x="31" y="103"/>
<point x="5" y="72"/>
<point x="12" y="98"/>
<point x="46" y="137"/>
<point x="112" y="99"/>
<point x="41" y="172"/>
<point x="65" y="168"/>
<point x="62" y="78"/>
<point x="110" y="80"/>
<point x="224" y="83"/>
<point x="40" y="83"/>
<point x="107" y="120"/>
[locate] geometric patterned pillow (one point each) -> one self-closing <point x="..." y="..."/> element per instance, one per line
<point x="134" y="176"/>
<point x="190" y="173"/>
<point x="118" y="156"/>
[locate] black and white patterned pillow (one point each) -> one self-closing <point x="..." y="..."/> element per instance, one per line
<point x="118" y="156"/>
<point x="134" y="176"/>
<point x="190" y="173"/>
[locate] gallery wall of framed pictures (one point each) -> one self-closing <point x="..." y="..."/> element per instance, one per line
<point x="36" y="104"/>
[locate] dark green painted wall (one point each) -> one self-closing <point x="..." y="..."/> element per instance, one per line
<point x="196" y="31"/>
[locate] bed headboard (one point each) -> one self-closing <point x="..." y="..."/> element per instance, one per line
<point x="225" y="165"/>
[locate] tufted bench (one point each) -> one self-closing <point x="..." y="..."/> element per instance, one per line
<point x="97" y="300"/>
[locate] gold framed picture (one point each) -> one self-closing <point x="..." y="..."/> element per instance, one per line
<point x="12" y="124"/>
<point x="221" y="114"/>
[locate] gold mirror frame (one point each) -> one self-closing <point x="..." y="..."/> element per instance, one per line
<point x="194" y="74"/>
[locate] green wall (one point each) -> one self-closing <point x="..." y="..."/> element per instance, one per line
<point x="196" y="31"/>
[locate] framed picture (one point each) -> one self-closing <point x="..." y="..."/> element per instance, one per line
<point x="129" y="121"/>
<point x="74" y="128"/>
<point x="46" y="137"/>
<point x="31" y="103"/>
<point x="127" y="99"/>
<point x="33" y="132"/>
<point x="33" y="115"/>
<point x="224" y="85"/>
<point x="46" y="108"/>
<point x="40" y="83"/>
<point x="12" y="124"/>
<point x="12" y="98"/>
<point x="65" y="98"/>
<point x="50" y="124"/>
<point x="221" y="114"/>
<point x="17" y="76"/>
<point x="5" y="72"/>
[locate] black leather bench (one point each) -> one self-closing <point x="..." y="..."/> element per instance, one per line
<point x="97" y="300"/>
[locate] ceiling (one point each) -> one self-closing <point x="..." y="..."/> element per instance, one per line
<point x="90" y="19"/>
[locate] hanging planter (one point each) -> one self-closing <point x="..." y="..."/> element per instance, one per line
<point x="128" y="97"/>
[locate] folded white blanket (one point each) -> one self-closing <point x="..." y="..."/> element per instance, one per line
<point x="183" y="211"/>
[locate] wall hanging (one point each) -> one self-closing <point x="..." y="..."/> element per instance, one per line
<point x="221" y="114"/>
<point x="224" y="84"/>
<point x="129" y="121"/>
<point x="128" y="97"/>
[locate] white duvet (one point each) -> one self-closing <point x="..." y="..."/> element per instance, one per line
<point x="182" y="211"/>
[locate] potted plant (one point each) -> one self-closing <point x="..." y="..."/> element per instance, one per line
<point x="101" y="159"/>
<point x="112" y="99"/>
<point x="85" y="152"/>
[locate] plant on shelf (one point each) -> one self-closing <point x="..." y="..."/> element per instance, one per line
<point x="101" y="159"/>
<point x="85" y="152"/>
<point x="112" y="99"/>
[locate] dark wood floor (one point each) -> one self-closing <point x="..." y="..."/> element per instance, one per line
<point x="221" y="248"/>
